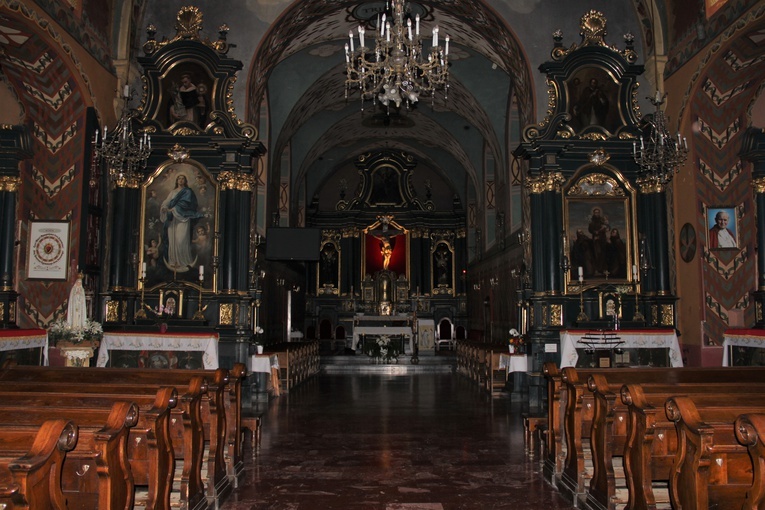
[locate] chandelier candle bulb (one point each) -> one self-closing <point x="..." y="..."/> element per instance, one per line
<point x="126" y="91"/>
<point x="201" y="272"/>
<point x="446" y="46"/>
<point x="581" y="272"/>
<point x="634" y="271"/>
<point x="347" y="55"/>
<point x="350" y="35"/>
<point x="409" y="28"/>
<point x="417" y="24"/>
<point x="361" y="35"/>
<point x="382" y="26"/>
<point x="435" y="36"/>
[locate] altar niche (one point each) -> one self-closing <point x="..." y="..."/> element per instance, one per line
<point x="385" y="267"/>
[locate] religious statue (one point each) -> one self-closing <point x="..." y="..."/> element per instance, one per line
<point x="76" y="313"/>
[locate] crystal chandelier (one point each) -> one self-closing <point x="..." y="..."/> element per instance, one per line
<point x="660" y="155"/>
<point x="396" y="70"/>
<point x="124" y="152"/>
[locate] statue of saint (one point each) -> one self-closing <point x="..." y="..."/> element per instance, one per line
<point x="76" y="313"/>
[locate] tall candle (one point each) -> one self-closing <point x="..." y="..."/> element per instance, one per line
<point x="126" y="91"/>
<point x="581" y="271"/>
<point x="634" y="270"/>
<point x="201" y="271"/>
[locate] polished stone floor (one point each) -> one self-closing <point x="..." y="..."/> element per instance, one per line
<point x="426" y="441"/>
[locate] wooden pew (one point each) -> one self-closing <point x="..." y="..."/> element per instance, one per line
<point x="555" y="450"/>
<point x="28" y="481"/>
<point x="495" y="378"/>
<point x="577" y="477"/>
<point x="750" y="432"/>
<point x="101" y="445"/>
<point x="149" y="448"/>
<point x="711" y="469"/>
<point x="201" y="425"/>
<point x="651" y="444"/>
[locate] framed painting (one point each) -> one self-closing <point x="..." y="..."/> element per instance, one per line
<point x="48" y="256"/>
<point x="178" y="225"/>
<point x="722" y="227"/>
<point x="186" y="95"/>
<point x="593" y="99"/>
<point x="598" y="238"/>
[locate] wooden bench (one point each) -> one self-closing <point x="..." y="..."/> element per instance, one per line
<point x="149" y="448"/>
<point x="218" y="422"/>
<point x="28" y="481"/>
<point x="711" y="469"/>
<point x="96" y="473"/>
<point x="750" y="432"/>
<point x="297" y="362"/>
<point x="587" y="471"/>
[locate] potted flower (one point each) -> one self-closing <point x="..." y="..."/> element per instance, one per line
<point x="516" y="342"/>
<point x="73" y="346"/>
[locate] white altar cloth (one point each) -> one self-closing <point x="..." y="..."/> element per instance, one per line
<point x="514" y="362"/>
<point x="382" y="330"/>
<point x="140" y="341"/>
<point x="742" y="338"/>
<point x="632" y="338"/>
<point x="263" y="362"/>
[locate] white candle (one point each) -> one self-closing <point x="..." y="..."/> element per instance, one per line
<point x="409" y="28"/>
<point x="581" y="271"/>
<point x="95" y="141"/>
<point x="350" y="35"/>
<point x="201" y="272"/>
<point x="417" y="24"/>
<point x="126" y="91"/>
<point x="446" y="48"/>
<point x="634" y="270"/>
<point x="387" y="32"/>
<point x="347" y="55"/>
<point x="435" y="36"/>
<point x="361" y="35"/>
<point x="382" y="26"/>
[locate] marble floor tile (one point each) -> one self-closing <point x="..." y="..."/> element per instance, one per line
<point x="429" y="441"/>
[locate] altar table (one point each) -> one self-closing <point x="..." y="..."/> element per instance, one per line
<point x="741" y="338"/>
<point x="269" y="364"/>
<point x="570" y="339"/>
<point x="207" y="343"/>
<point x="382" y="330"/>
<point x="19" y="339"/>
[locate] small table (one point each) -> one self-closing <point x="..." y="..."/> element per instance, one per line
<point x="207" y="343"/>
<point x="514" y="363"/>
<point x="269" y="364"/>
<point x="741" y="338"/>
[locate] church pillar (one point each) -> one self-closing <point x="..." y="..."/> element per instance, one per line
<point x="653" y="243"/>
<point x="126" y="198"/>
<point x="350" y="246"/>
<point x="236" y="197"/>
<point x="753" y="150"/>
<point x="460" y="261"/>
<point x="546" y="226"/>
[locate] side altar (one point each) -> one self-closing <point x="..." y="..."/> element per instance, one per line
<point x="392" y="326"/>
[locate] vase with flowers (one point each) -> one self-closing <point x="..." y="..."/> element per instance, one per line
<point x="382" y="350"/>
<point x="516" y="343"/>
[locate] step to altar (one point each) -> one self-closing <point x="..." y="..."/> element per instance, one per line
<point x="427" y="362"/>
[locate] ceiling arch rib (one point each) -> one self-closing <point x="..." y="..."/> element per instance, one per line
<point x="348" y="132"/>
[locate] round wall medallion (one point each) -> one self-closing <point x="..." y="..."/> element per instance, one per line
<point x="687" y="242"/>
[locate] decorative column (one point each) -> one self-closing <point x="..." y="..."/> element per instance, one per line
<point x="545" y="231"/>
<point x="753" y="150"/>
<point x="127" y="201"/>
<point x="653" y="244"/>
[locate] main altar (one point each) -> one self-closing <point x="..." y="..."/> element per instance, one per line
<point x="392" y="326"/>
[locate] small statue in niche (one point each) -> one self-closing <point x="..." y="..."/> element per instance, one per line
<point x="189" y="102"/>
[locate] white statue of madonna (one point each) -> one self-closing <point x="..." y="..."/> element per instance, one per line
<point x="76" y="313"/>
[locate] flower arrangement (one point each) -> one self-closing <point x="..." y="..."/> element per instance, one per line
<point x="61" y="332"/>
<point x="383" y="349"/>
<point x="516" y="342"/>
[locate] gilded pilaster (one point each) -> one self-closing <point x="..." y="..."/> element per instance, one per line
<point x="546" y="181"/>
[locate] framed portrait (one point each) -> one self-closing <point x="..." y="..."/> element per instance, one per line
<point x="593" y="99"/>
<point x="186" y="95"/>
<point x="599" y="230"/>
<point x="48" y="257"/>
<point x="178" y="224"/>
<point x="722" y="228"/>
